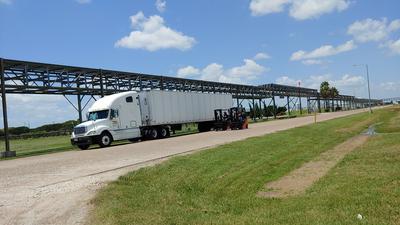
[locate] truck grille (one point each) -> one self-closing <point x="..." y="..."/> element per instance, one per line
<point x="79" y="130"/>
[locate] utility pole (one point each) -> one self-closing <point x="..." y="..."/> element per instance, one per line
<point x="369" y="90"/>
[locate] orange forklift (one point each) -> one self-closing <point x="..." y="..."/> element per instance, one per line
<point x="232" y="118"/>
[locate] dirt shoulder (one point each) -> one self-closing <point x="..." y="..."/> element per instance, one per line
<point x="299" y="180"/>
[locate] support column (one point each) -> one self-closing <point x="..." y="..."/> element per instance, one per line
<point x="273" y="102"/>
<point x="101" y="83"/>
<point x="7" y="153"/>
<point x="141" y="84"/>
<point x="254" y="109"/>
<point x="288" y="105"/>
<point x="162" y="84"/>
<point x="237" y="101"/>
<point x="79" y="108"/>
<point x="319" y="104"/>
<point x="308" y="105"/>
<point x="301" y="109"/>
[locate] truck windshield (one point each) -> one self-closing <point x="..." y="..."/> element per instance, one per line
<point x="103" y="114"/>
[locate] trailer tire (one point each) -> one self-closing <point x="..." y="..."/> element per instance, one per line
<point x="153" y="133"/>
<point x="83" y="147"/>
<point x="163" y="132"/>
<point x="105" y="139"/>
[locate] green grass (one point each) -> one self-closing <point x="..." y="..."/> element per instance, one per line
<point x="37" y="146"/>
<point x="219" y="186"/>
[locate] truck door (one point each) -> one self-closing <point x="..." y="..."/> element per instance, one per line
<point x="115" y="122"/>
<point x="131" y="119"/>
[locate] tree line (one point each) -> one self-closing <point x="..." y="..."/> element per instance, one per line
<point x="55" y="127"/>
<point x="265" y="111"/>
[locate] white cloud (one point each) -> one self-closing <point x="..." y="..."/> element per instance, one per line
<point x="249" y="70"/>
<point x="372" y="30"/>
<point x="242" y="74"/>
<point x="347" y="84"/>
<point x="7" y="2"/>
<point x="285" y="80"/>
<point x="161" y="5"/>
<point x="150" y="33"/>
<point x="313" y="81"/>
<point x="263" y="7"/>
<point x="261" y="55"/>
<point x="393" y="46"/>
<point x="308" y="9"/>
<point x="323" y="51"/>
<point x="309" y="62"/>
<point x="187" y="71"/>
<point x="348" y="80"/>
<point x="390" y="86"/>
<point x="299" y="9"/>
<point x="213" y="72"/>
<point x="83" y="1"/>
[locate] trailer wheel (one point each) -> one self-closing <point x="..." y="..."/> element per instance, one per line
<point x="105" y="139"/>
<point x="153" y="133"/>
<point x="83" y="147"/>
<point x="164" y="132"/>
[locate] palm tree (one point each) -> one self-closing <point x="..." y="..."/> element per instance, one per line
<point x="325" y="91"/>
<point x="334" y="93"/>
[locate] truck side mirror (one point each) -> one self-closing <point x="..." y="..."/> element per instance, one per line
<point x="114" y="113"/>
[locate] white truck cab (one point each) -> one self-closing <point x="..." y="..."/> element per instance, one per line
<point x="111" y="118"/>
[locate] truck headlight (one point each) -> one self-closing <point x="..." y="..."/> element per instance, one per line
<point x="92" y="132"/>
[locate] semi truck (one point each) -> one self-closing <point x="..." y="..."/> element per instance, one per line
<point x="148" y="114"/>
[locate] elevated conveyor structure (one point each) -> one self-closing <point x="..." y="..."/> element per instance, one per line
<point x="25" y="77"/>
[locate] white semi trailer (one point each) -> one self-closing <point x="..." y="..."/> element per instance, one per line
<point x="147" y="114"/>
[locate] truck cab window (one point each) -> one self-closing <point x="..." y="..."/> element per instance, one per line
<point x="96" y="115"/>
<point x="129" y="99"/>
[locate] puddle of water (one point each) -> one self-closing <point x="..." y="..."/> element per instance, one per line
<point x="371" y="131"/>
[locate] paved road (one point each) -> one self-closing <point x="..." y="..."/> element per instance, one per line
<point x="56" y="188"/>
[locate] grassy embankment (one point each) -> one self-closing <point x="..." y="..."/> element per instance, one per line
<point x="219" y="186"/>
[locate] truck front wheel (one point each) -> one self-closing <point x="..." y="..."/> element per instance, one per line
<point x="105" y="140"/>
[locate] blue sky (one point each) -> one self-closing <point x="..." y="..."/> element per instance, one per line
<point x="242" y="41"/>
